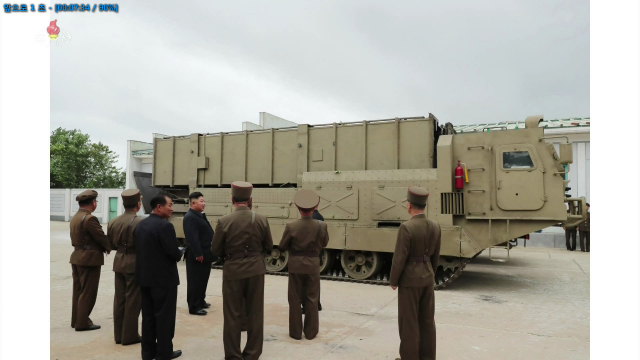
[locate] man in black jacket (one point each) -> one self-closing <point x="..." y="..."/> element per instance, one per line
<point x="157" y="253"/>
<point x="199" y="234"/>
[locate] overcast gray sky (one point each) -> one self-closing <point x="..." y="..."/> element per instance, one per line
<point x="208" y="66"/>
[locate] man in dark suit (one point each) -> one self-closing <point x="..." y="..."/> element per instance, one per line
<point x="157" y="253"/>
<point x="242" y="237"/>
<point x="415" y="261"/>
<point x="89" y="245"/>
<point x="199" y="234"/>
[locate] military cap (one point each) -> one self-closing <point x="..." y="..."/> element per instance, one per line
<point x="417" y="195"/>
<point x="241" y="189"/>
<point x="130" y="197"/>
<point x="306" y="199"/>
<point x="87" y="195"/>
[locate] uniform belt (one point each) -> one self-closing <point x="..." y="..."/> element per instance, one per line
<point x="242" y="255"/>
<point x="304" y="253"/>
<point x="419" y="259"/>
<point x="125" y="250"/>
<point x="87" y="247"/>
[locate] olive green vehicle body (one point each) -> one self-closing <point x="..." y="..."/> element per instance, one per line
<point x="362" y="171"/>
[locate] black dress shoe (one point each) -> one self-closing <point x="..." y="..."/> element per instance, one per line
<point x="176" y="354"/>
<point x="199" y="312"/>
<point x="319" y="306"/>
<point x="118" y="342"/>
<point x="206" y="305"/>
<point x="92" y="327"/>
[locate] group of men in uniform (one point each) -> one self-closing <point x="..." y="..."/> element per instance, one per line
<point x="147" y="277"/>
<point x="571" y="233"/>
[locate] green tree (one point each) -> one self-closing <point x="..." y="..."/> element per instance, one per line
<point x="76" y="162"/>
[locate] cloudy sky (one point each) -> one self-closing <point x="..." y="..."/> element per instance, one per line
<point x="208" y="66"/>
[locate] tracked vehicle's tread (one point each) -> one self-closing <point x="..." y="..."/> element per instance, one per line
<point x="447" y="276"/>
<point x="337" y="277"/>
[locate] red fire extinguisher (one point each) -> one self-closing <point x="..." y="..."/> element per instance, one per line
<point x="459" y="173"/>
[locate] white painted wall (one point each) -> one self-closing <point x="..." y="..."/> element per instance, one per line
<point x="59" y="206"/>
<point x="137" y="163"/>
<point x="579" y="171"/>
<point x="268" y="121"/>
<point x="248" y="125"/>
<point x="142" y="163"/>
<point x="63" y="203"/>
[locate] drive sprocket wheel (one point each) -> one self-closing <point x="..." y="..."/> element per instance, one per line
<point x="448" y="270"/>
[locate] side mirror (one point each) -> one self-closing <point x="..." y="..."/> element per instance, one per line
<point x="566" y="154"/>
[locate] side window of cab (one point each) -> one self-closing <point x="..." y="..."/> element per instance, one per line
<point x="517" y="160"/>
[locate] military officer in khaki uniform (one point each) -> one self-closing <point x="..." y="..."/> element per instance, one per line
<point x="127" y="301"/>
<point x="241" y="238"/>
<point x="89" y="244"/>
<point x="584" y="232"/>
<point x="304" y="239"/>
<point x="412" y="271"/>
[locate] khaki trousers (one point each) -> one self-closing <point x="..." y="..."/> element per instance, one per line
<point x="85" y="291"/>
<point x="416" y="309"/>
<point x="240" y="298"/>
<point x="304" y="289"/>
<point x="127" y="303"/>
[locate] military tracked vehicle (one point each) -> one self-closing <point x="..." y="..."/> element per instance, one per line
<point x="513" y="184"/>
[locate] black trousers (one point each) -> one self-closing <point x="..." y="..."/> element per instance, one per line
<point x="158" y="321"/>
<point x="197" y="281"/>
<point x="571" y="234"/>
